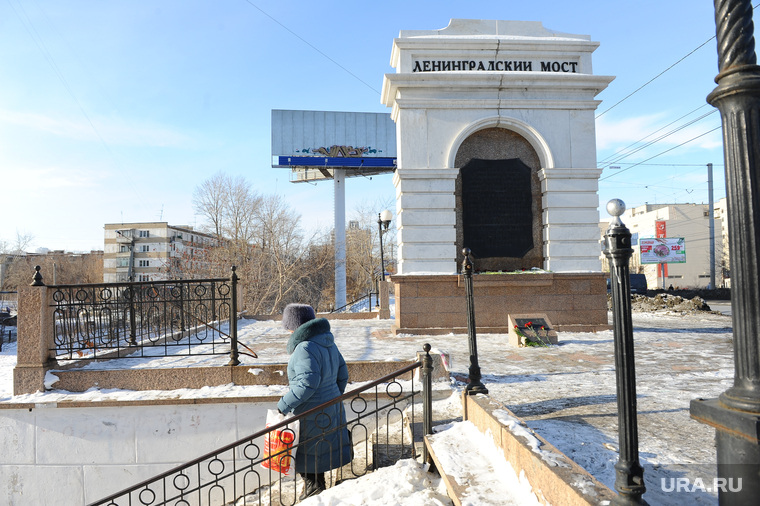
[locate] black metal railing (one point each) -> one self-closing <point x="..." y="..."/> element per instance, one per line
<point x="348" y="306"/>
<point x="146" y="319"/>
<point x="233" y="474"/>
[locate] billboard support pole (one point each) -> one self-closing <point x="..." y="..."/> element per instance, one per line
<point x="340" y="237"/>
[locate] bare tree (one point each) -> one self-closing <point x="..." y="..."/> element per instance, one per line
<point x="19" y="246"/>
<point x="241" y="206"/>
<point x="209" y="201"/>
<point x="261" y="236"/>
<point x="363" y="248"/>
<point x="56" y="268"/>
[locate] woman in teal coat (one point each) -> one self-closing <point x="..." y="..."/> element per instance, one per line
<point x="317" y="373"/>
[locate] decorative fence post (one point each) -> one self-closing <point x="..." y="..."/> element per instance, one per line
<point x="233" y="319"/>
<point x="475" y="386"/>
<point x="735" y="414"/>
<point x="182" y="323"/>
<point x="34" y="336"/>
<point x="629" y="480"/>
<point x="427" y="398"/>
<point x="131" y="293"/>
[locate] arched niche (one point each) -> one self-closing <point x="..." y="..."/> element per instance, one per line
<point x="498" y="201"/>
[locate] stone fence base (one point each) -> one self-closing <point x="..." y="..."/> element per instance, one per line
<point x="435" y="304"/>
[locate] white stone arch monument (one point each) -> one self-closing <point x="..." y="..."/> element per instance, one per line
<point x="527" y="88"/>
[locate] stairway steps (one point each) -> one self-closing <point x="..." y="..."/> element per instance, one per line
<point x="459" y="487"/>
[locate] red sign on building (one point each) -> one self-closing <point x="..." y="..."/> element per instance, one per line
<point x="659" y="229"/>
<point x="660" y="232"/>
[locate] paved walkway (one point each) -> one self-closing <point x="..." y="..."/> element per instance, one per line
<point x="568" y="393"/>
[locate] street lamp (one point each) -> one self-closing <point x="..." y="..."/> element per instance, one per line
<point x="383" y="220"/>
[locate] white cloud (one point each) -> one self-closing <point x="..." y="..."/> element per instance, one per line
<point x="616" y="139"/>
<point x="113" y="132"/>
<point x="635" y="131"/>
<point x="55" y="177"/>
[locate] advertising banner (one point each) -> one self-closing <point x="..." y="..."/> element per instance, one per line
<point x="663" y="250"/>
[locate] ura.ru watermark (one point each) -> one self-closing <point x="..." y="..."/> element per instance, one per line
<point x="680" y="485"/>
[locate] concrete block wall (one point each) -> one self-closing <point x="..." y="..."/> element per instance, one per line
<point x="76" y="455"/>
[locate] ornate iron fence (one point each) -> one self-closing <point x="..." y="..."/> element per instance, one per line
<point x="146" y="319"/>
<point x="234" y="473"/>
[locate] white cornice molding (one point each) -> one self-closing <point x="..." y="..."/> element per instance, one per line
<point x="569" y="173"/>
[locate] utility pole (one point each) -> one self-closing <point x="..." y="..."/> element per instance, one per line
<point x="711" y="218"/>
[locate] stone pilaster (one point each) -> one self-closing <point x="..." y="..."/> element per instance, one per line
<point x="570" y="218"/>
<point x="35" y="339"/>
<point x="426" y="220"/>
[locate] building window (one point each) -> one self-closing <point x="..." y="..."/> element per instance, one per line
<point x="123" y="248"/>
<point x="145" y="248"/>
<point x="144" y="233"/>
<point x="122" y="262"/>
<point x="143" y="277"/>
<point x="144" y="263"/>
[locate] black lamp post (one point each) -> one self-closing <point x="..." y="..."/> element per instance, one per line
<point x="735" y="414"/>
<point x="629" y="479"/>
<point x="474" y="385"/>
<point x="383" y="221"/>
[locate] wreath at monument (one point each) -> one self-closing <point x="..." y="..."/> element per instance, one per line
<point x="533" y="336"/>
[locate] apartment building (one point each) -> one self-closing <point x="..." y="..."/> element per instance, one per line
<point x="690" y="221"/>
<point x="152" y="251"/>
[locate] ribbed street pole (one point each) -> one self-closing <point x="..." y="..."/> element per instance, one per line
<point x="735" y="414"/>
<point x="629" y="475"/>
<point x="711" y="219"/>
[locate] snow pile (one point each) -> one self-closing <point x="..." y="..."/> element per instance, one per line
<point x="472" y="460"/>
<point x="412" y="485"/>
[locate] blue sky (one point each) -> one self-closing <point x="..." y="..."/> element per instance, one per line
<point x="116" y="110"/>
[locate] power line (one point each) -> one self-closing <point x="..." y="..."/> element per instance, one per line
<point x="659" y="154"/>
<point x="40" y="43"/>
<point x="660" y="74"/>
<point x="671" y="164"/>
<point x="663" y="136"/>
<point x="622" y="150"/>
<point x="655" y="77"/>
<point x="313" y="47"/>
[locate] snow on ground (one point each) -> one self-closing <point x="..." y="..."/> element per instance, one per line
<point x="496" y="480"/>
<point x="412" y="486"/>
<point x="566" y="393"/>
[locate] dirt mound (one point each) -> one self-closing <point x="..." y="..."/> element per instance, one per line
<point x="712" y="294"/>
<point x="666" y="302"/>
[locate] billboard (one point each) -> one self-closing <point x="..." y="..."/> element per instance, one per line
<point x="315" y="143"/>
<point x="662" y="250"/>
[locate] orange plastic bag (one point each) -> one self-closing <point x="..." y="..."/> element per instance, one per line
<point x="280" y="444"/>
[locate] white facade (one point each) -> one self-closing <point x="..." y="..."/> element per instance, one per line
<point x="690" y="221"/>
<point x="475" y="75"/>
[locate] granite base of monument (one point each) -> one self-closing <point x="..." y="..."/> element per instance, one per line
<point x="435" y="304"/>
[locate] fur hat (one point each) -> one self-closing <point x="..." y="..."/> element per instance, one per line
<point x="295" y="315"/>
